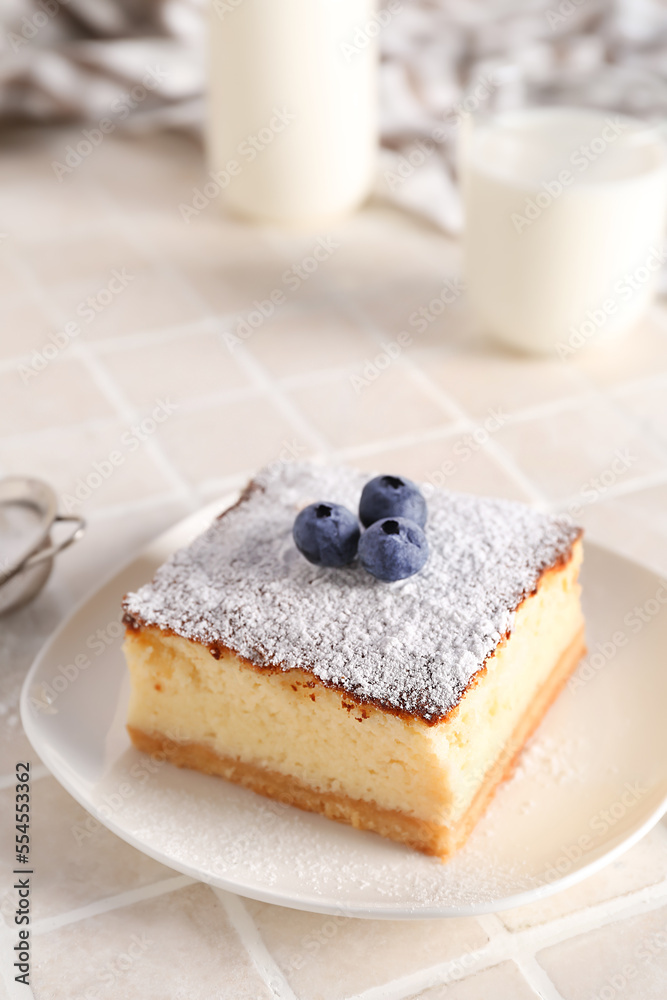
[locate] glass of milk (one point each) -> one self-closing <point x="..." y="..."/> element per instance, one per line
<point x="292" y="107"/>
<point x="565" y="212"/>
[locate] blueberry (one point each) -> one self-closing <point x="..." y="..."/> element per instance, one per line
<point x="391" y="496"/>
<point x="393" y="549"/>
<point x="327" y="534"/>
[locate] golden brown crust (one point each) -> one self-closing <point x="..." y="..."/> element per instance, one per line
<point x="218" y="650"/>
<point x="430" y="838"/>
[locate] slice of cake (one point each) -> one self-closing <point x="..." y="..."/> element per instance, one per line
<point x="395" y="707"/>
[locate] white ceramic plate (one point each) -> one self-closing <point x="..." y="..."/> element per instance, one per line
<point x="590" y="784"/>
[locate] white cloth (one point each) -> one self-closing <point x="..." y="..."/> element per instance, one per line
<point x="65" y="59"/>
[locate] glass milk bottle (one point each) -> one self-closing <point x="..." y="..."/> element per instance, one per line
<point x="292" y="129"/>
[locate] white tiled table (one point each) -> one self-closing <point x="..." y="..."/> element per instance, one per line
<point x="109" y="922"/>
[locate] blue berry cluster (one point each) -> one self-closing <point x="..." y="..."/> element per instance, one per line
<point x="393" y="546"/>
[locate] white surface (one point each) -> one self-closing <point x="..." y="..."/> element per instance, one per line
<point x="292" y="103"/>
<point x="567" y="813"/>
<point x="564" y="210"/>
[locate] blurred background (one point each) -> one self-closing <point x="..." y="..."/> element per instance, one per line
<point x="69" y="60"/>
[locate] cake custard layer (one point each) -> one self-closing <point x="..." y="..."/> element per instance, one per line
<point x="396" y="708"/>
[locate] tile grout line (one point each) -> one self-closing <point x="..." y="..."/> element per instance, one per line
<point x="128" y="413"/>
<point x="111" y="391"/>
<point x="105" y="380"/>
<point x="524" y="959"/>
<point x="503" y="944"/>
<point x="252" y="367"/>
<point x="620" y="489"/>
<point x="442" y="433"/>
<point x="93" y="349"/>
<point x="490" y="446"/>
<point x="225" y="397"/>
<point x="525" y="944"/>
<point x="537" y="978"/>
<point x="210" y="324"/>
<point x="645" y="430"/>
<point x="95" y="423"/>
<point x="129" y="507"/>
<point x="598" y="915"/>
<point x="514" y="472"/>
<point x="110" y="903"/>
<point x="506" y="947"/>
<point x="249" y="935"/>
<point x="408" y="986"/>
<point x="610" y="397"/>
<point x="161" y="267"/>
<point x="500" y="456"/>
<point x="356" y="313"/>
<point x="110" y="345"/>
<point x="529" y="414"/>
<point x="149" y="338"/>
<point x="494" y="451"/>
<point x="315" y="377"/>
<point x="210" y="317"/>
<point x="141" y="338"/>
<point x="92" y="424"/>
<point x="281" y="401"/>
<point x="344" y="454"/>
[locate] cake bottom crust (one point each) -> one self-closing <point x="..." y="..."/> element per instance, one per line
<point x="430" y="838"/>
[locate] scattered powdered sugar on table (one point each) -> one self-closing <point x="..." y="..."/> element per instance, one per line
<point x="412" y="645"/>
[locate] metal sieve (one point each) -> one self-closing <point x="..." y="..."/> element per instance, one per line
<point x="28" y="515"/>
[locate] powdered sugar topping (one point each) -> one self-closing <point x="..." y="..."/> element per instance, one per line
<point x="412" y="645"/>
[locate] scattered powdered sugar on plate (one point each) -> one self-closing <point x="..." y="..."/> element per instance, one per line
<point x="230" y="834"/>
<point x="412" y="645"/>
<point x="552" y="761"/>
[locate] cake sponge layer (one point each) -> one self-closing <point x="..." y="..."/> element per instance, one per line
<point x="285" y="734"/>
<point x="429" y="837"/>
